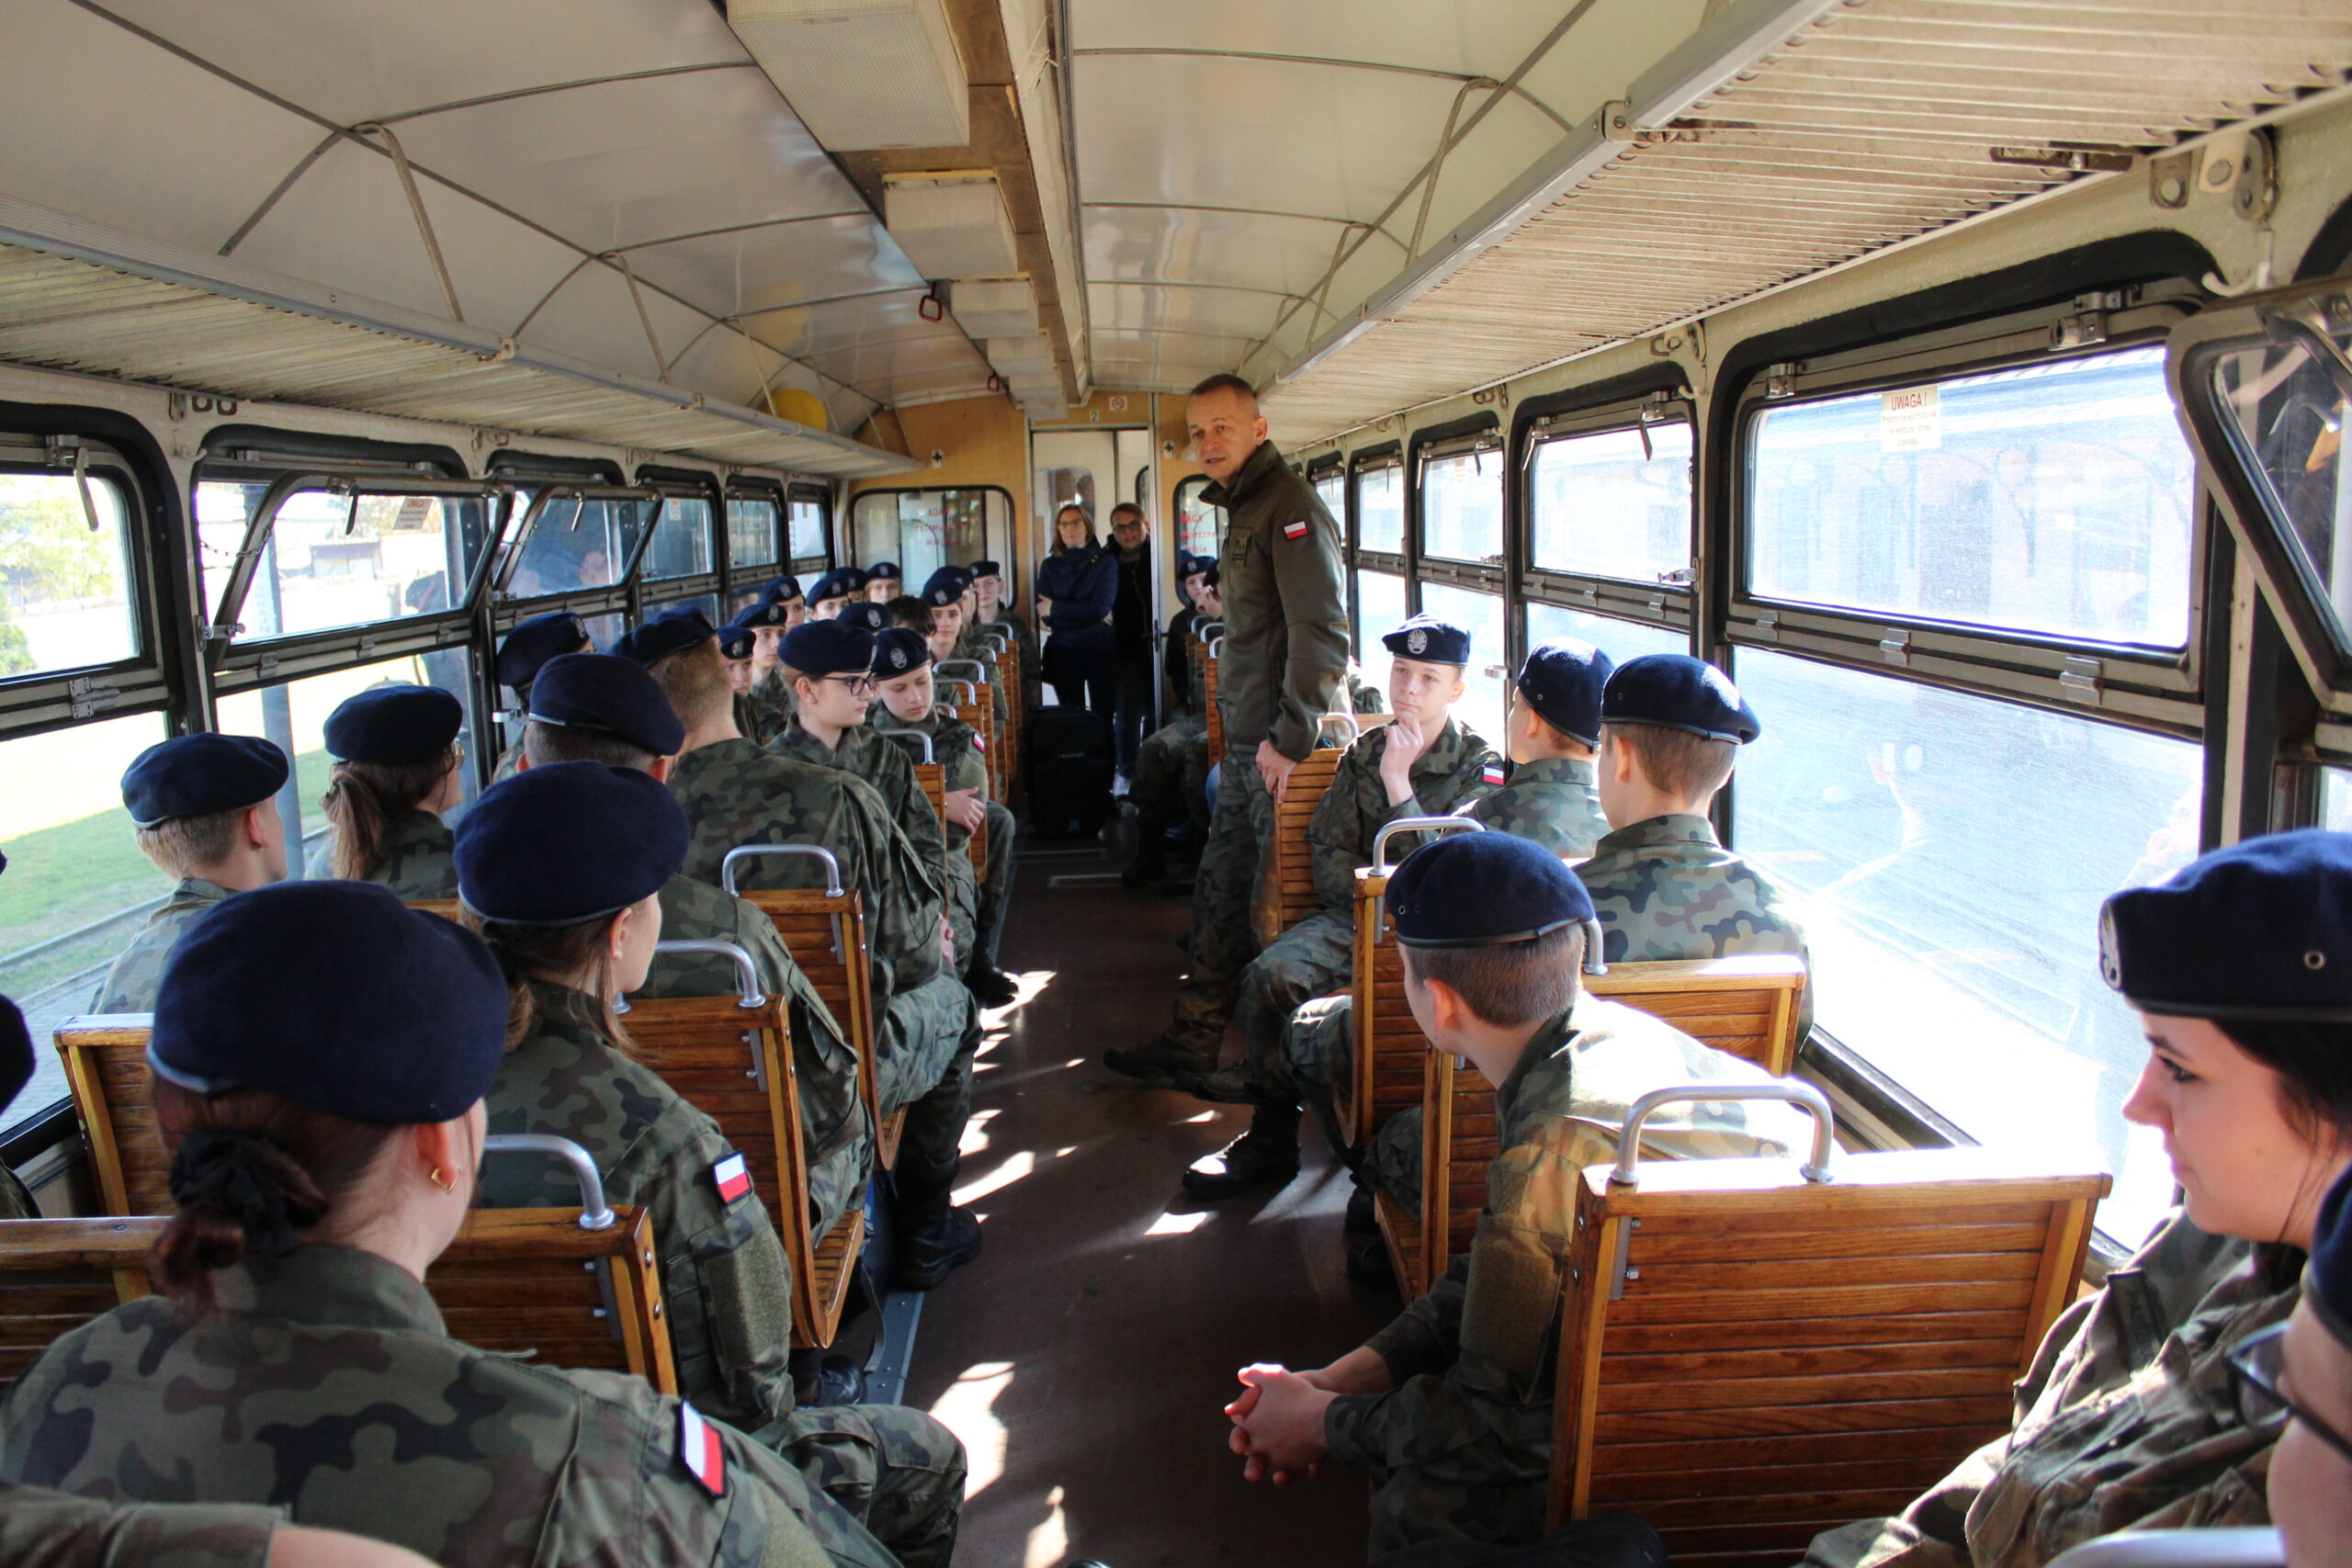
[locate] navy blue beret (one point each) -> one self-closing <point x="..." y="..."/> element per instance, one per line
<point x="533" y="642"/>
<point x="599" y="691"/>
<point x="1562" y="680"/>
<point x="1427" y="638"/>
<point x="765" y="614"/>
<point x="984" y="568"/>
<point x="1482" y="889"/>
<point x="838" y="584"/>
<point x="16" y="1053"/>
<point x="567" y="842"/>
<point x="1214" y="575"/>
<point x="393" y="725"/>
<point x="736" y="641"/>
<point x="674" y="630"/>
<point x="2260" y="930"/>
<point x="828" y="647"/>
<point x="779" y="590"/>
<point x="2328" y="1278"/>
<point x="881" y="570"/>
<point x="1675" y="691"/>
<point x="866" y="616"/>
<point x="899" y="652"/>
<point x="1195" y="565"/>
<point x="337" y="996"/>
<point x="196" y="775"/>
<point x="946" y="586"/>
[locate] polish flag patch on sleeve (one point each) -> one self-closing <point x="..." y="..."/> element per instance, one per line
<point x="734" y="1177"/>
<point x="1494" y="773"/>
<point x="980" y="742"/>
<point x="1295" y="530"/>
<point x="700" y="1451"/>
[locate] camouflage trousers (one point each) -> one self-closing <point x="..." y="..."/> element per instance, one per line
<point x="995" y="886"/>
<point x="895" y="1471"/>
<point x="1473" y="1490"/>
<point x="1310" y="958"/>
<point x="929" y="1036"/>
<point x="1171" y="784"/>
<point x="962" y="905"/>
<point x="837" y="1183"/>
<point x="1320" y="1045"/>
<point x="1240" y="831"/>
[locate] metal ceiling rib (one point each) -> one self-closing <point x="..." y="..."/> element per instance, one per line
<point x="77" y="296"/>
<point x="1872" y="126"/>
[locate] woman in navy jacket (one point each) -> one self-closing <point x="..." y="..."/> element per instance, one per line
<point x="1076" y="588"/>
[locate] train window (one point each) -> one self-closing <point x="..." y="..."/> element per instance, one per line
<point x="1380" y="509"/>
<point x="681" y="545"/>
<point x="1951" y="882"/>
<point x="1462" y="506"/>
<point x="1483" y="617"/>
<point x="1200" y="527"/>
<point x="341" y="559"/>
<point x="1380" y="608"/>
<point x="1331" y="490"/>
<point x="2056" y="498"/>
<point x="924" y="530"/>
<point x="577" y="542"/>
<point x="1613" y="503"/>
<point x="706" y="602"/>
<point x="2335" y="799"/>
<point x="1621" y="640"/>
<point x="809" y="523"/>
<point x="77" y="887"/>
<point x="752" y="531"/>
<point x="67" y="573"/>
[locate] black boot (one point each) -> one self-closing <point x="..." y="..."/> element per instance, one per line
<point x="1150" y="866"/>
<point x="1266" y="1155"/>
<point x="934" y="1236"/>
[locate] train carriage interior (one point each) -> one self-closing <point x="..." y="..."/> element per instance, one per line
<point x="1964" y="377"/>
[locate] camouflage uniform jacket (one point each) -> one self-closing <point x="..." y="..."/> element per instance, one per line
<point x="970" y="645"/>
<point x="130" y="986"/>
<point x="882" y="764"/>
<point x="1551" y="801"/>
<point x="40" y="1529"/>
<point x="771" y="704"/>
<point x="832" y="1114"/>
<point x="726" y="1284"/>
<point x="476" y="1460"/>
<point x="1451" y="774"/>
<point x="420" y="857"/>
<point x="1474" y="1358"/>
<point x="2125" y="1421"/>
<point x="956" y="747"/>
<point x="1285" y="607"/>
<point x="736" y="793"/>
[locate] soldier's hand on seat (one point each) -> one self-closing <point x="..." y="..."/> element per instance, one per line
<point x="965" y="809"/>
<point x="1274" y="768"/>
<point x="1278" y="1425"/>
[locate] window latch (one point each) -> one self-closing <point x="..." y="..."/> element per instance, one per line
<point x="1896" y="648"/>
<point x="2082" y="678"/>
<point x="1780" y="380"/>
<point x="1768" y="623"/>
<point x="1678" y="576"/>
<point x="87" y="695"/>
<point x="2086" y="323"/>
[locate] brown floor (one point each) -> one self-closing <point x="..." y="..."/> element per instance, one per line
<point x="1085" y="1357"/>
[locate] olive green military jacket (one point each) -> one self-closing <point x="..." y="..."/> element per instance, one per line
<point x="1458" y="767"/>
<point x="2125" y="1421"/>
<point x="1285" y="607"/>
<point x="41" y="1528"/>
<point x="726" y="1284"/>
<point x="863" y="754"/>
<point x="956" y="747"/>
<point x="420" y="857"/>
<point x="1551" y="802"/>
<point x="970" y="644"/>
<point x="1474" y="1358"/>
<point x="770" y="704"/>
<point x="736" y="793"/>
<point x="130" y="984"/>
<point x="327" y="1386"/>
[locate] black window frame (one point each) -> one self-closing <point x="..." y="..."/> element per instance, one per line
<point x="1667" y="605"/>
<point x="823" y="496"/>
<point x="747" y="576"/>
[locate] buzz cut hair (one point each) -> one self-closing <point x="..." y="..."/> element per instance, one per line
<point x="544" y="744"/>
<point x="1675" y="761"/>
<point x="695" y="682"/>
<point x="909" y="612"/>
<point x="182" y="846"/>
<point x="1507" y="985"/>
<point x="1225" y="381"/>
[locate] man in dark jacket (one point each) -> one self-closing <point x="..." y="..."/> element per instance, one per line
<point x="1131" y="627"/>
<point x="1285" y="654"/>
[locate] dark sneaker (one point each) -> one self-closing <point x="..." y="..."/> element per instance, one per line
<point x="991" y="985"/>
<point x="1159" y="1061"/>
<point x="1148" y="867"/>
<point x="1255" y="1159"/>
<point x="1368" y="1265"/>
<point x="1362" y="1220"/>
<point x="1227" y="1086"/>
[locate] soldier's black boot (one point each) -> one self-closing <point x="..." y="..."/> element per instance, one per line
<point x="1265" y="1155"/>
<point x="933" y="1236"/>
<point x="1150" y="866"/>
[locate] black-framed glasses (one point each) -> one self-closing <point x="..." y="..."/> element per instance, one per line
<point x="2254" y="1363"/>
<point x="857" y="685"/>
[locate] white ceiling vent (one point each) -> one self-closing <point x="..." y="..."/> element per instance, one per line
<point x="951" y="225"/>
<point x="862" y="74"/>
<point x="996" y="307"/>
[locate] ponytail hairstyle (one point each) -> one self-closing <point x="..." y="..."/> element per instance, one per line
<point x="2313" y="1061"/>
<point x="250" y="1173"/>
<point x="528" y="952"/>
<point x="362" y="800"/>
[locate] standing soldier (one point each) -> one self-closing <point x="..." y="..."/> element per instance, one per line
<point x="1285" y="650"/>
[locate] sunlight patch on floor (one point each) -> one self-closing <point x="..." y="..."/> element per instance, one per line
<point x="1178" y="1225"/>
<point x="1013" y="1170"/>
<point x="1049" y="1542"/>
<point x="967" y="1409"/>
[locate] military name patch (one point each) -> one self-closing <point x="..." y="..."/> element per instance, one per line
<point x="1494" y="774"/>
<point x="1295" y="530"/>
<point x="734" y="1179"/>
<point x="700" y="1451"/>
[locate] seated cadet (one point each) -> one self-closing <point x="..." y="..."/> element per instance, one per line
<point x="2240" y="967"/>
<point x="204" y="809"/>
<point x="398" y="767"/>
<point x="768" y="702"/>
<point x="882" y="582"/>
<point x="903" y="661"/>
<point x="992" y="608"/>
<point x="831" y="594"/>
<point x="945" y="595"/>
<point x="1171" y="782"/>
<point x="525" y="652"/>
<point x="325" y="1121"/>
<point x="1450" y="1406"/>
<point x="927" y="1029"/>
<point x="41" y="1528"/>
<point x="736" y="641"/>
<point x="1424" y="762"/>
<point x="2298" y="1379"/>
<point x="16" y="1072"/>
<point x="596" y="708"/>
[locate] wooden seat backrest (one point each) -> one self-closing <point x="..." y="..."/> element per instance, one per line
<point x="1287" y="890"/>
<point x="1215" y="713"/>
<point x="825" y="933"/>
<point x="448" y="909"/>
<point x="978" y="715"/>
<point x="736" y="1065"/>
<point x="514" y="1279"/>
<point x="106" y="1066"/>
<point x="1008" y="676"/>
<point x="932" y="777"/>
<point x="1783" y="1356"/>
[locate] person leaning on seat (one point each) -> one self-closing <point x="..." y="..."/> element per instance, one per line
<point x="1450" y="1406"/>
<point x="325" y="1122"/>
<point x="398" y="765"/>
<point x="2240" y="967"/>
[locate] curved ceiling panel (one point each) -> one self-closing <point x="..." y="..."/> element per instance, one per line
<point x="1482" y="38"/>
<point x="779" y="265"/>
<point x="1258" y="250"/>
<point x="1185" y="307"/>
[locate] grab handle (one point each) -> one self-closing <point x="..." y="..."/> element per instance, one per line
<point x="750" y="851"/>
<point x="747" y="975"/>
<point x="594" y="1213"/>
<point x="1790" y="1091"/>
<point x="915" y="735"/>
<point x="1440" y="825"/>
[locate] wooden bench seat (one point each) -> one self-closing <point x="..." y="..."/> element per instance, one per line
<point x="1286" y="885"/>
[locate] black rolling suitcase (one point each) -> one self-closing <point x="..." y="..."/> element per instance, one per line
<point x="1070" y="771"/>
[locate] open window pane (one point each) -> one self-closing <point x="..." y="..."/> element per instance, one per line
<point x="2335" y="800"/>
<point x="1953" y="852"/>
<point x="1380" y="609"/>
<point x="1330" y="489"/>
<point x="2056" y="499"/>
<point x="924" y="530"/>
<point x="578" y="544"/>
<point x="1621" y="640"/>
<point x="681" y="545"/>
<point x="68" y="584"/>
<point x="806" y="518"/>
<point x="1462" y="507"/>
<point x="1200" y="527"/>
<point x="343" y="561"/>
<point x="750" y="531"/>
<point x="1380" y="510"/>
<point x="1613" y="502"/>
<point x="1482" y="615"/>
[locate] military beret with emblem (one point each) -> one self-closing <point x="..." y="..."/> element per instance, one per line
<point x="518" y="849"/>
<point x="603" y="692"/>
<point x="533" y="642"/>
<point x="1426" y="637"/>
<point x="838" y="584"/>
<point x="882" y="571"/>
<point x="1195" y="565"/>
<point x="767" y="613"/>
<point x="737" y="640"/>
<point x="946" y="586"/>
<point x="196" y="775"/>
<point x="674" y="630"/>
<point x="1215" y="573"/>
<point x="779" y="590"/>
<point x="2260" y="930"/>
<point x="263" y="992"/>
<point x="900" y="651"/>
<point x="1482" y="890"/>
<point x="866" y="616"/>
<point x="1563" y="680"/>
<point x="2328" y="1278"/>
<point x="394" y="724"/>
<point x="1675" y="691"/>
<point x="828" y="647"/>
<point x="984" y="568"/>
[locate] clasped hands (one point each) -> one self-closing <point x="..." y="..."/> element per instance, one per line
<point x="1278" y="1423"/>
